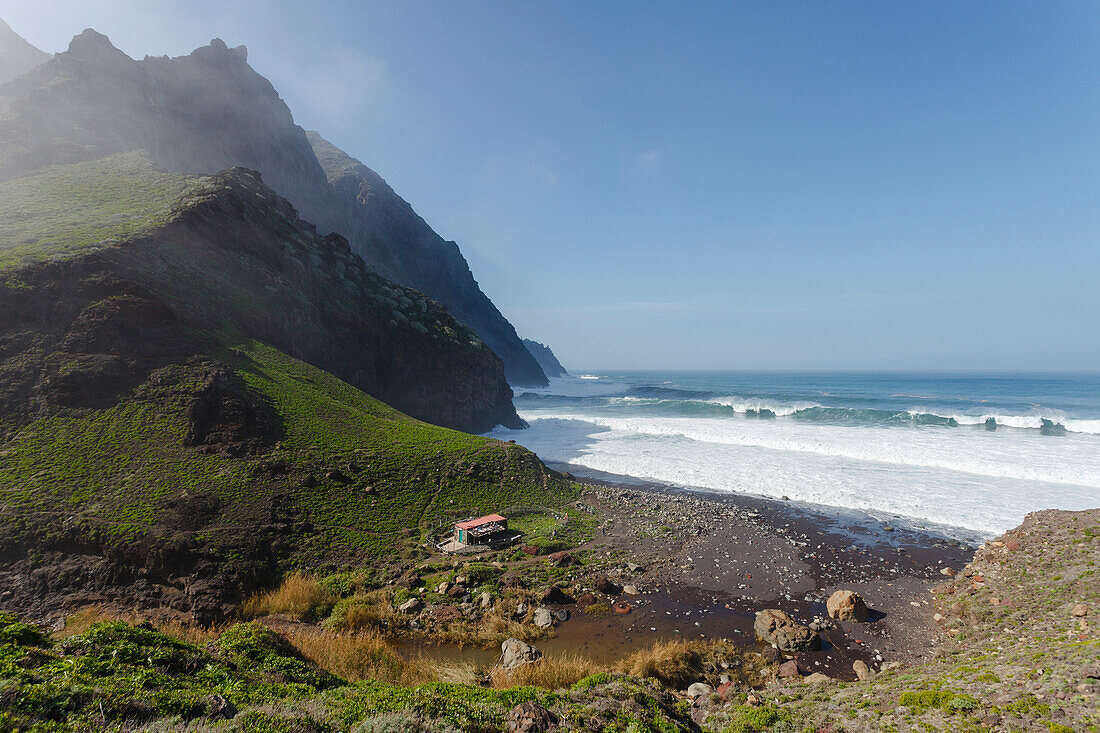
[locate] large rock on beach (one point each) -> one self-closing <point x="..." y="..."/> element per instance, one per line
<point x="846" y="605"/>
<point x="777" y="627"/>
<point x="516" y="653"/>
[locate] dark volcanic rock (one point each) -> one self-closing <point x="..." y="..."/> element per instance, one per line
<point x="776" y="627"/>
<point x="551" y="367"/>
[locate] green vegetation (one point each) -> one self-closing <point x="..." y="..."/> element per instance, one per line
<point x="367" y="482"/>
<point x="63" y="209"/>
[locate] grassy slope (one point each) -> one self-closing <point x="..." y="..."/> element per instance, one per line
<point x="64" y="209"/>
<point x="115" y="468"/>
<point x="1013" y="649"/>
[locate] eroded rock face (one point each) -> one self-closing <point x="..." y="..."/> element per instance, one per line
<point x="846" y="605"/>
<point x="516" y="653"/>
<point x="777" y="627"/>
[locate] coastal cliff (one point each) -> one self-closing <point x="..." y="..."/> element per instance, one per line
<point x="186" y="409"/>
<point x="546" y="359"/>
<point x="209" y="111"/>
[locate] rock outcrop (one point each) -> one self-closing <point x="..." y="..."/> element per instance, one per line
<point x="551" y="367"/>
<point x="209" y="111"/>
<point x="773" y="626"/>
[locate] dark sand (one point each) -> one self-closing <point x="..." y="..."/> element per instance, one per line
<point x="710" y="561"/>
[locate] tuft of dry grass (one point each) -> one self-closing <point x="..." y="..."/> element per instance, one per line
<point x="80" y="621"/>
<point x="299" y="596"/>
<point x="675" y="663"/>
<point x="550" y="672"/>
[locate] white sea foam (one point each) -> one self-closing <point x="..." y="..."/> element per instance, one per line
<point x="588" y="376"/>
<point x="749" y="404"/>
<point x="974" y="479"/>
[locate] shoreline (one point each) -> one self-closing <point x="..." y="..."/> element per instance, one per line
<point x="705" y="563"/>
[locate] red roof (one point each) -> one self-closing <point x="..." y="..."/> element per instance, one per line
<point x="489" y="519"/>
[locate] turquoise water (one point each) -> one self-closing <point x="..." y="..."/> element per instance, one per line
<point x="973" y="451"/>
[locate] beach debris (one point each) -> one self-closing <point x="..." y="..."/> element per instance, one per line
<point x="698" y="689"/>
<point x="846" y="605"/>
<point x="777" y="627"/>
<point x="530" y="717"/>
<point x="543" y="618"/>
<point x="516" y="653"/>
<point x="863" y="672"/>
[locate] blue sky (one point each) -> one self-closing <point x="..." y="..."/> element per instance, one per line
<point x="712" y="185"/>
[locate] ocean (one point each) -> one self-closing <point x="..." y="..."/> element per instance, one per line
<point x="951" y="451"/>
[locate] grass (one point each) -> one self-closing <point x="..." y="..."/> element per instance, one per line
<point x="64" y="209"/>
<point x="115" y="470"/>
<point x="299" y="596"/>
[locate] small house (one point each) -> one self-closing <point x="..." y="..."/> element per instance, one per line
<point x="491" y="530"/>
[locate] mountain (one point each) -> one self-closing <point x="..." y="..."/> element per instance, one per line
<point x="551" y="367"/>
<point x="210" y="111"/>
<point x="186" y="371"/>
<point x="386" y="231"/>
<point x="17" y="57"/>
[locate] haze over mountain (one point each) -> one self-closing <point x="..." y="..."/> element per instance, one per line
<point x="209" y="111"/>
<point x="546" y="359"/>
<point x="17" y="57"/>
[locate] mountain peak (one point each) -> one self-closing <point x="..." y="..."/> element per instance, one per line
<point x="217" y="52"/>
<point x="91" y="45"/>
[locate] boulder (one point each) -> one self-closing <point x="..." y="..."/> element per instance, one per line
<point x="410" y="606"/>
<point x="604" y="584"/>
<point x="555" y="595"/>
<point x="485" y="600"/>
<point x="630" y="590"/>
<point x="530" y="717"/>
<point x="776" y="627"/>
<point x="560" y="559"/>
<point x="516" y="653"/>
<point x="445" y="614"/>
<point x="788" y="669"/>
<point x="219" y="708"/>
<point x="699" y="689"/>
<point x="846" y="605"/>
<point x="817" y="678"/>
<point x="1080" y="610"/>
<point x="560" y="614"/>
<point x="543" y="618"/>
<point x="863" y="672"/>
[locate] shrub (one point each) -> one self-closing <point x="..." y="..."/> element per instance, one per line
<point x="400" y="723"/>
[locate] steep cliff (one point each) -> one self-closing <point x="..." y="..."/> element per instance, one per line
<point x="551" y="367"/>
<point x="232" y="256"/>
<point x="209" y="111"/>
<point x="17" y="57"/>
<point x="184" y="409"/>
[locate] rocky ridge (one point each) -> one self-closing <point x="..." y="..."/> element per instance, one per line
<point x="210" y="111"/>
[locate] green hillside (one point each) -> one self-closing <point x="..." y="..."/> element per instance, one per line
<point x="66" y="209"/>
